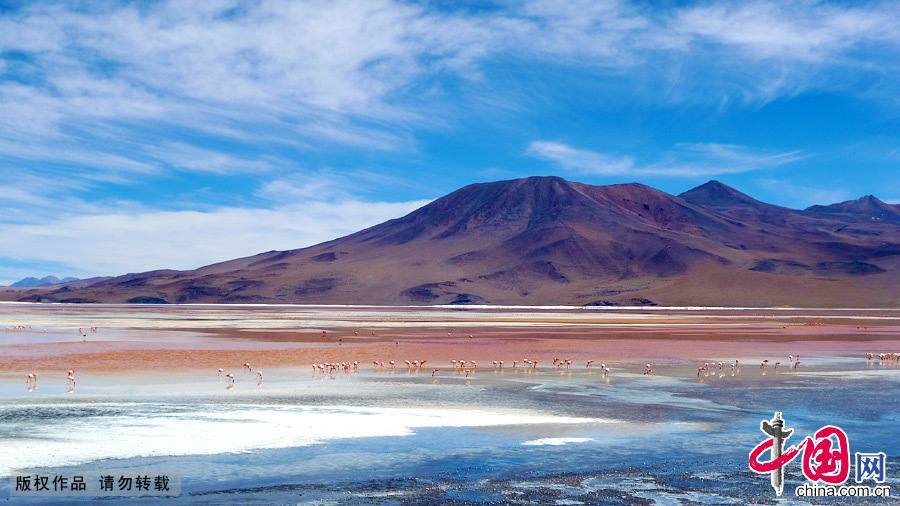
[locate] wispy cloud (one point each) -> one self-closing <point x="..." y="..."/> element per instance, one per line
<point x="348" y="71"/>
<point x="686" y="160"/>
<point x="803" y="195"/>
<point x="116" y="242"/>
<point x="581" y="160"/>
<point x="777" y="31"/>
<point x="102" y="104"/>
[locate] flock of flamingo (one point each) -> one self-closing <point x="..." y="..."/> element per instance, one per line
<point x="229" y="377"/>
<point x="461" y="366"/>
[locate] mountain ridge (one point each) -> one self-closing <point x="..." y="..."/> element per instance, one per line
<point x="33" y="282"/>
<point x="545" y="240"/>
<point x="868" y="207"/>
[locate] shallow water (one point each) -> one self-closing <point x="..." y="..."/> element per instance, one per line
<point x="543" y="437"/>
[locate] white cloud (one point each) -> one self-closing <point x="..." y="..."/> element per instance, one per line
<point x="348" y="71"/>
<point x="117" y="242"/>
<point x="802" y="30"/>
<point x="686" y="160"/>
<point x="581" y="160"/>
<point x="124" y="93"/>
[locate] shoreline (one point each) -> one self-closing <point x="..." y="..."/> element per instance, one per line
<point x="152" y="337"/>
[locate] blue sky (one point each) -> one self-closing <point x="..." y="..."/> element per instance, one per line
<point x="144" y="135"/>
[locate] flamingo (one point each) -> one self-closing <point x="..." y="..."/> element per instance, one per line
<point x="259" y="378"/>
<point x="247" y="366"/>
<point x="230" y="378"/>
<point x="648" y="369"/>
<point x="219" y="372"/>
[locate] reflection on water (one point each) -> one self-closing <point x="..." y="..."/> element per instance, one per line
<point x="546" y="436"/>
<point x="538" y="438"/>
<point x="51" y="435"/>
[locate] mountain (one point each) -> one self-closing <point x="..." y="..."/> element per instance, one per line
<point x="716" y="195"/>
<point x="546" y="240"/>
<point x="31" y="282"/>
<point x="868" y="208"/>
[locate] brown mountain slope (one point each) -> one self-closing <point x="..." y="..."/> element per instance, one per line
<point x="545" y="240"/>
<point x="868" y="209"/>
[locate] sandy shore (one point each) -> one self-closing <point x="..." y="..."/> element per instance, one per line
<point x="191" y="339"/>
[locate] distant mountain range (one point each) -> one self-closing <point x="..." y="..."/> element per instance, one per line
<point x="31" y="282"/>
<point x="546" y="240"/>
